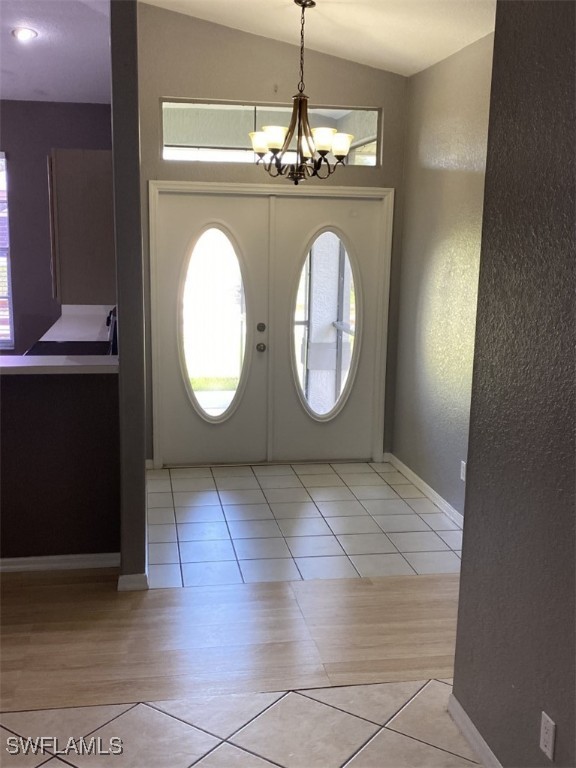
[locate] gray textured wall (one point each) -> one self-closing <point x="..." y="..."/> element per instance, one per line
<point x="255" y="69"/>
<point x="515" y="644"/>
<point x="28" y="131"/>
<point x="444" y="182"/>
<point x="129" y="276"/>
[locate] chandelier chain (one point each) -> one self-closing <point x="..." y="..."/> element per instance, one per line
<point x="302" y="22"/>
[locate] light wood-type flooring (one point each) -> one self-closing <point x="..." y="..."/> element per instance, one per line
<point x="70" y="639"/>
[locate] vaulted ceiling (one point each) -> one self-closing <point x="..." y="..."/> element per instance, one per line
<point x="70" y="58"/>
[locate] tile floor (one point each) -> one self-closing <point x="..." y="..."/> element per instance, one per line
<point x="234" y="524"/>
<point x="388" y="725"/>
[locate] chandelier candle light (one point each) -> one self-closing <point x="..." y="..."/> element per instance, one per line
<point x="312" y="144"/>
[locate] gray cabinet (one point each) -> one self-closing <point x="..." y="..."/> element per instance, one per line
<point x="82" y="217"/>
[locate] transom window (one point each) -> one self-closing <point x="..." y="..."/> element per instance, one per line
<point x="218" y="133"/>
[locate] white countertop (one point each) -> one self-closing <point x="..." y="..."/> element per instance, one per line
<point x="59" y="364"/>
<point x="80" y="322"/>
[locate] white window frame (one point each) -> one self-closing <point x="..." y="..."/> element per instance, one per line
<point x="8" y="343"/>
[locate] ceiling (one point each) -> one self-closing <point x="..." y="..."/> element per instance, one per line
<point x="402" y="36"/>
<point x="70" y="58"/>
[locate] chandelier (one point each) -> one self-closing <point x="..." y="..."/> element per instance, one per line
<point x="309" y="156"/>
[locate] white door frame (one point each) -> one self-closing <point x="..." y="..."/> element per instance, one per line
<point x="273" y="191"/>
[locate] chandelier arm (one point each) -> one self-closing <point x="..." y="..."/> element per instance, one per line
<point x="291" y="127"/>
<point x="306" y="129"/>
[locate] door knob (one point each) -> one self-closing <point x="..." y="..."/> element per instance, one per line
<point x="261" y="347"/>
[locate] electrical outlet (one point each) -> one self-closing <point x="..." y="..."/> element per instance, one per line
<point x="463" y="471"/>
<point x="547" y="735"/>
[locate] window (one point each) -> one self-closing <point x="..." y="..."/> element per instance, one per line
<point x="219" y="132"/>
<point x="6" y="321"/>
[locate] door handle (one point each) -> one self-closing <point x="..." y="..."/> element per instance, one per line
<point x="261" y="347"/>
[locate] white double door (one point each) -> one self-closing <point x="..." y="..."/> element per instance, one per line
<point x="272" y="229"/>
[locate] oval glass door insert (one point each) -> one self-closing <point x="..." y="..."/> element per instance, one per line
<point x="213" y="324"/>
<point x="325" y="326"/>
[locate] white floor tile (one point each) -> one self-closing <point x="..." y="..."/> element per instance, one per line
<point x="281" y="495"/>
<point x="331" y="494"/>
<point x="254" y="529"/>
<point x="261" y="549"/>
<point x="280" y="481"/>
<point x="452" y="538"/>
<point x="401" y="523"/>
<point x="206" y="551"/>
<point x="351" y="467"/>
<point x="322" y="481"/>
<point x="313" y="469"/>
<point x="440" y="522"/>
<point x="294" y="509"/>
<point x="202" y="531"/>
<point x="396" y="478"/>
<point x="159" y="500"/>
<point x="408" y="491"/>
<point x="237" y="483"/>
<point x="433" y="562"/>
<point x="196" y="499"/>
<point x="158" y="486"/>
<point x="232" y="472"/>
<point x="356" y="524"/>
<point x="381" y="565"/>
<point x="362" y="478"/>
<point x="314" y="546"/>
<point x="193" y="484"/>
<point x="164" y="516"/>
<point x="161" y="533"/>
<point x="207" y="574"/>
<point x="366" y="543"/>
<point x="160" y="554"/>
<point x="190" y="472"/>
<point x="270" y="570"/>
<point x="417" y="542"/>
<point x="369" y="492"/>
<point x="423" y="506"/>
<point x="164" y="576"/>
<point x="341" y="508"/>
<point x="199" y="514"/>
<point x="272" y="469"/>
<point x="248" y="512"/>
<point x="242" y="497"/>
<point x="387" y="507"/>
<point x="326" y="568"/>
<point x="382" y="467"/>
<point x="304" y="526"/>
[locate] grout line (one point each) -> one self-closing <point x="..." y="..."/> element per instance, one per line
<point x="361" y="747"/>
<point x="111" y="720"/>
<point x="333" y="706"/>
<point x="410" y="700"/>
<point x="434" y="746"/>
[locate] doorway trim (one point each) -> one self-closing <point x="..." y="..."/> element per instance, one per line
<point x="384" y="195"/>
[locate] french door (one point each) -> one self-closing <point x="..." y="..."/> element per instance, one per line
<point x="269" y="309"/>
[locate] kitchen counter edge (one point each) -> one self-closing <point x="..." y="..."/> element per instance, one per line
<point x="57" y="364"/>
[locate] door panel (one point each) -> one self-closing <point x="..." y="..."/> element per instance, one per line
<point x="272" y="231"/>
<point x="348" y="432"/>
<point x="181" y="435"/>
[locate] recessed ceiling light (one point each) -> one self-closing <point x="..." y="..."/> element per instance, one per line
<point x="23" y="34"/>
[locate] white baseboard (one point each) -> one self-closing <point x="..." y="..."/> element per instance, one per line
<point x="60" y="562"/>
<point x="132" y="582"/>
<point x="426" y="489"/>
<point x="472" y="735"/>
